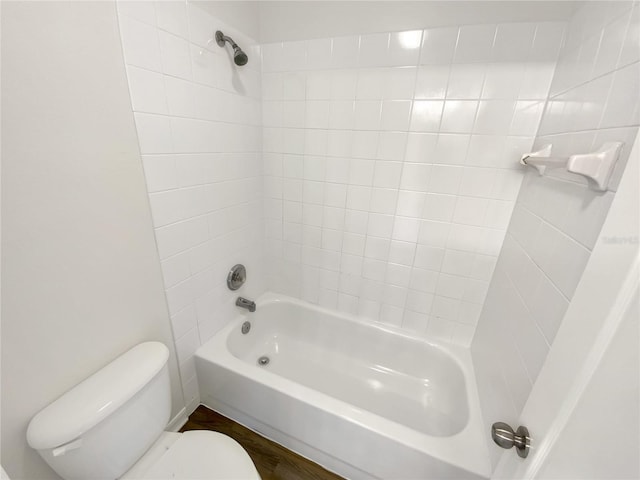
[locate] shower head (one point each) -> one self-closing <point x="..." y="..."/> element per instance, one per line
<point x="239" y="57"/>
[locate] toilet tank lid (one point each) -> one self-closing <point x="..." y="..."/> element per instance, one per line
<point x="97" y="397"/>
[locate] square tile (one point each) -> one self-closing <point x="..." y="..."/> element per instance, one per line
<point x="426" y="115"/>
<point x="404" y="48"/>
<point x="438" y="45"/>
<point x="475" y="44"/>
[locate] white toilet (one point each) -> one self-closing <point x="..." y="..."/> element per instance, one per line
<point x="112" y="426"/>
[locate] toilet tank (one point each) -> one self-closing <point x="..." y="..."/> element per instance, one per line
<point x="101" y="427"/>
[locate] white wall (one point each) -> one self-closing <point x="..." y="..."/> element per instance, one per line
<point x="302" y="20"/>
<point x="81" y="280"/>
<point x="241" y="15"/>
<point x="604" y="455"/>
<point x="594" y="98"/>
<point x="198" y="117"/>
<point x="391" y="166"/>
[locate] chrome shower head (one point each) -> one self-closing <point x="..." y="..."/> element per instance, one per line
<point x="239" y="57"/>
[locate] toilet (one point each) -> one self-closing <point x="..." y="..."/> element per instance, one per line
<point x="111" y="426"/>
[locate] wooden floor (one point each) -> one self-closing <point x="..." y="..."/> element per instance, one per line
<point x="273" y="461"/>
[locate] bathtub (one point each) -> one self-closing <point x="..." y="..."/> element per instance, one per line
<point x="363" y="400"/>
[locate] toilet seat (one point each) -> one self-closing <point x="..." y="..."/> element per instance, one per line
<point x="196" y="454"/>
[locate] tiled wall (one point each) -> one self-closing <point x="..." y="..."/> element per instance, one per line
<point x="594" y="98"/>
<point x="391" y="166"/>
<point x="198" y="118"/>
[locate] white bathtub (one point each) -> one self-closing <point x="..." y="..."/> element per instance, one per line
<point x="363" y="400"/>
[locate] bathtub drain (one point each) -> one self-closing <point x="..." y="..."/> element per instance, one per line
<point x="263" y="361"/>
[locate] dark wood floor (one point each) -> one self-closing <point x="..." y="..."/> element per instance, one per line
<point x="273" y="461"/>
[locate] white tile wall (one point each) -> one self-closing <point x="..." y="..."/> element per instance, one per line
<point x="199" y="126"/>
<point x="594" y="98"/>
<point x="391" y="166"/>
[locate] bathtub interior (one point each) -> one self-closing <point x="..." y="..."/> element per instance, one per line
<point x="383" y="372"/>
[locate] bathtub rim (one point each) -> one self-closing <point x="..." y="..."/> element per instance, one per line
<point x="466" y="449"/>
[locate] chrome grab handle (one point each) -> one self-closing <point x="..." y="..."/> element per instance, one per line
<point x="504" y="436"/>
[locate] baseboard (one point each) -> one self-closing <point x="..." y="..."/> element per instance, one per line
<point x="178" y="421"/>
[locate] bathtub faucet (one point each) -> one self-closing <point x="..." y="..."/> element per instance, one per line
<point x="244" y="303"/>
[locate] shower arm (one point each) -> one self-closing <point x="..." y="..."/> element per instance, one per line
<point x="221" y="39"/>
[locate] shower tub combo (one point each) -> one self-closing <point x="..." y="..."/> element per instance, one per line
<point x="364" y="400"/>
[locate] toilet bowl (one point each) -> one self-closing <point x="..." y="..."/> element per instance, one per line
<point x="111" y="426"/>
<point x="196" y="454"/>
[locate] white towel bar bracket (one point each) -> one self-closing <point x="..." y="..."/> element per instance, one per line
<point x="597" y="167"/>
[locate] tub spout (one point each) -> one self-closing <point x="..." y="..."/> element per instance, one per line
<point x="244" y="303"/>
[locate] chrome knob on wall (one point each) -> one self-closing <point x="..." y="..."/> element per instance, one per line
<point x="504" y="436"/>
<point x="237" y="276"/>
